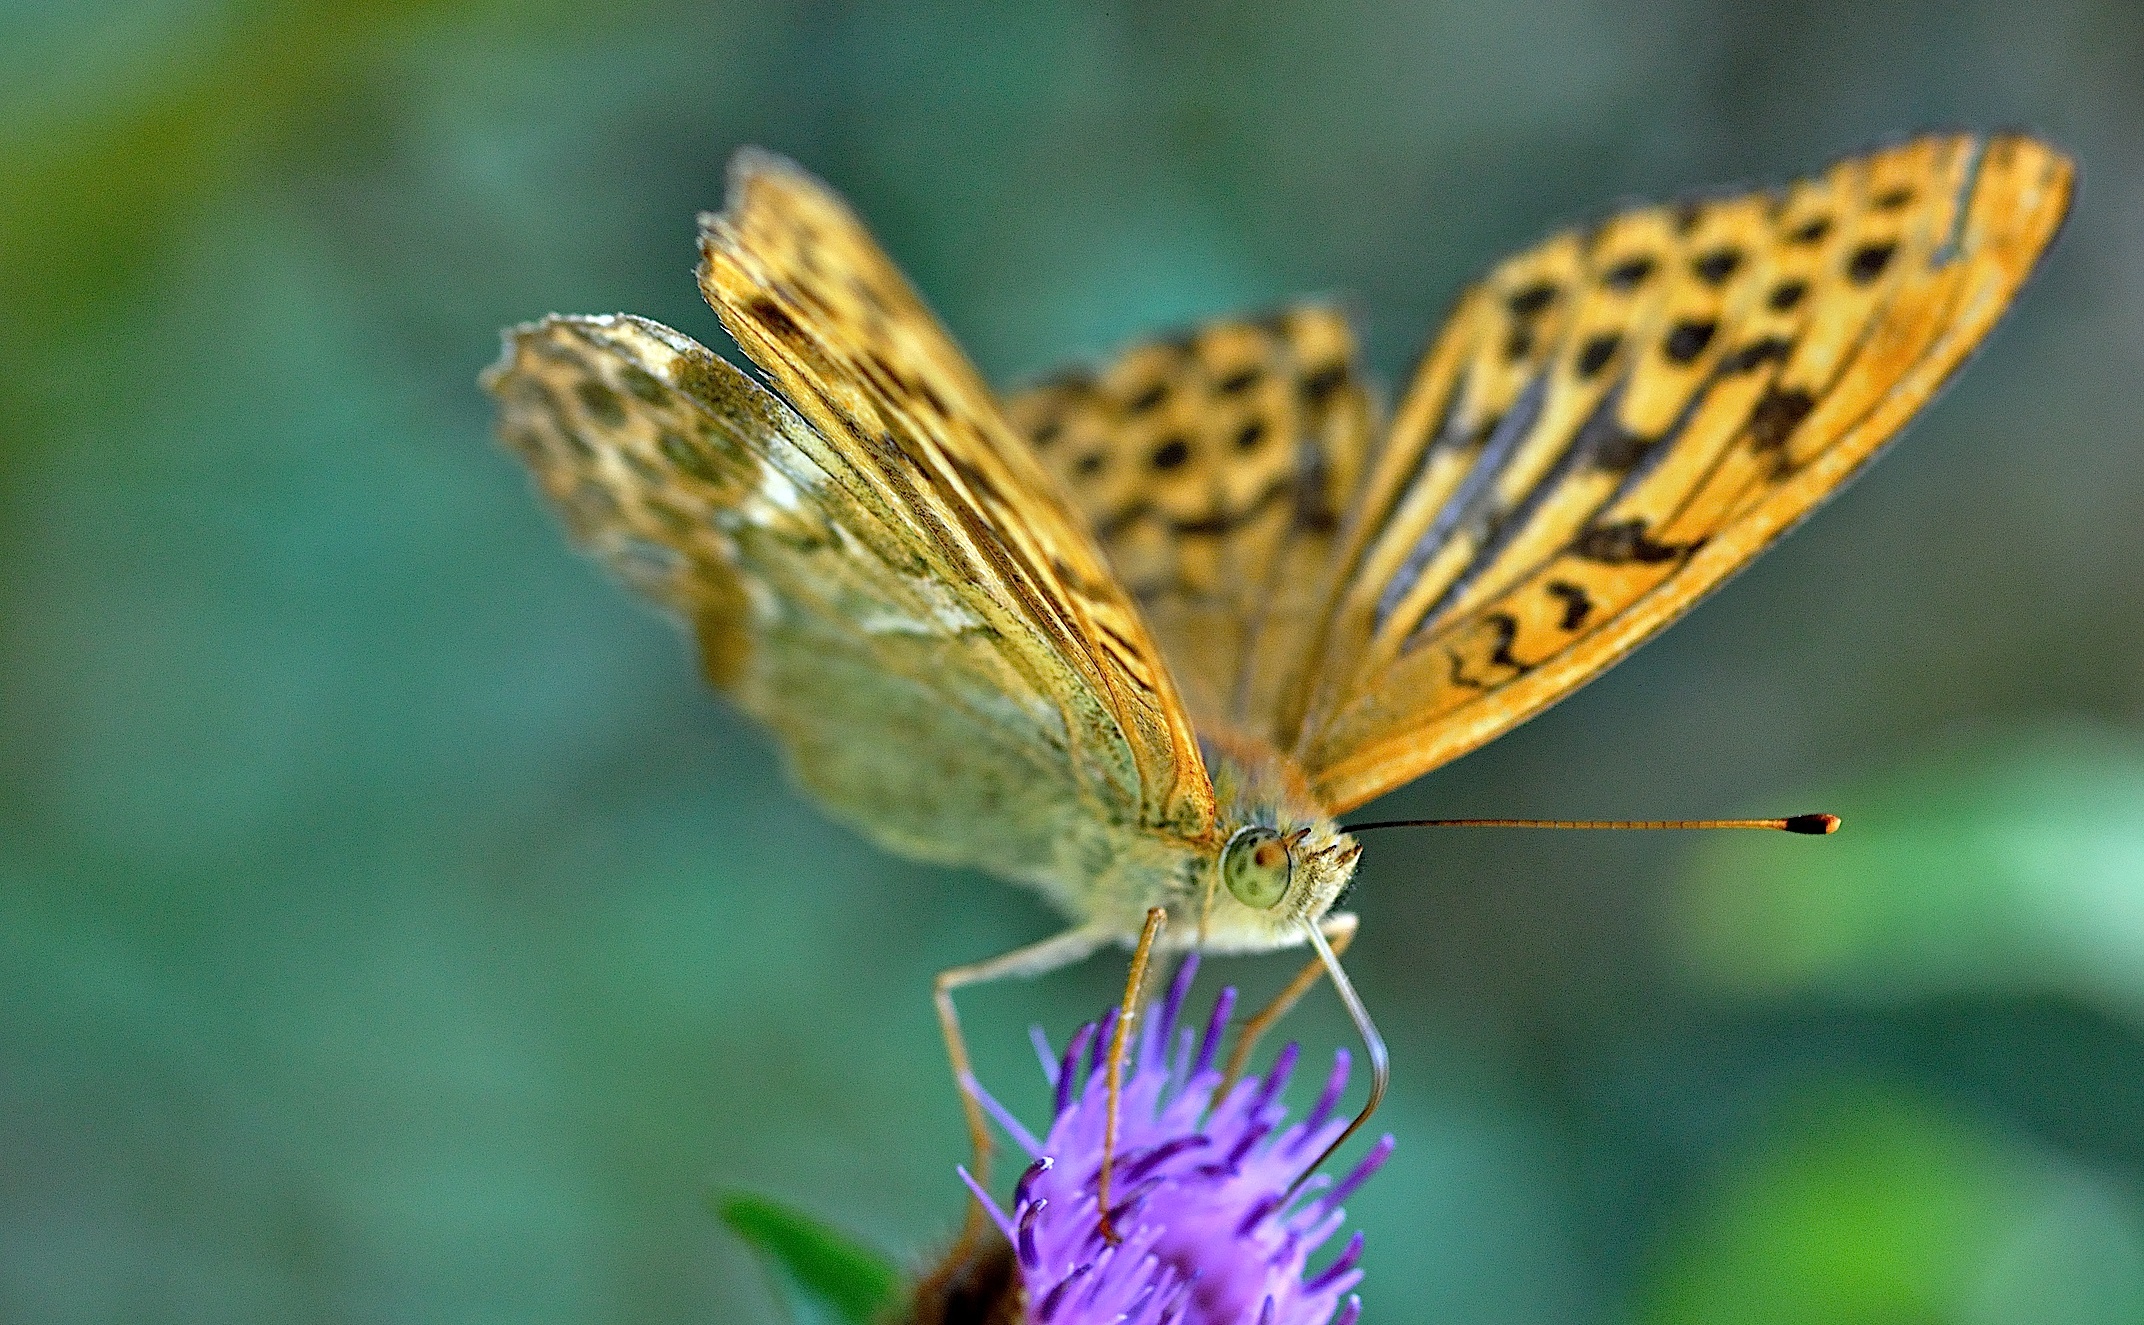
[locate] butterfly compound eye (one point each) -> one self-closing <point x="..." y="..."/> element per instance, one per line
<point x="1256" y="867"/>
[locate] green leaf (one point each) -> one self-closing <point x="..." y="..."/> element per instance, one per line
<point x="826" y="1272"/>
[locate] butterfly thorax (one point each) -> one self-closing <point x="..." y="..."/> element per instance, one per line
<point x="1258" y="793"/>
<point x="1109" y="878"/>
<point x="1257" y="788"/>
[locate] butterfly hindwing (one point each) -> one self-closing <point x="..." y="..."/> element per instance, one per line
<point x="815" y="605"/>
<point x="1614" y="422"/>
<point x="1213" y="468"/>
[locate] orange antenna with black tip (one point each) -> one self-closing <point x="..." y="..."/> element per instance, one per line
<point x="1812" y="825"/>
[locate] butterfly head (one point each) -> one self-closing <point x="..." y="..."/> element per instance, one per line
<point x="1279" y="876"/>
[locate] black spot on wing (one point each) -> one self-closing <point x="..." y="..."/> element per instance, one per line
<point x="1811" y="231"/>
<point x="1756" y="354"/>
<point x="1603" y="442"/>
<point x="1689" y="339"/>
<point x="1251" y="435"/>
<point x="1786" y="295"/>
<point x="1171" y="454"/>
<point x="1625" y="542"/>
<point x="601" y="403"/>
<point x="1715" y="267"/>
<point x="1312" y="511"/>
<point x="1596" y="353"/>
<point x="1459" y="672"/>
<point x="1506" y="627"/>
<point x="1776" y="415"/>
<point x="1630" y="273"/>
<point x="688" y="458"/>
<point x="1147" y="398"/>
<point x="1531" y="301"/>
<point x="1240" y="381"/>
<point x="1869" y="261"/>
<point x="641" y="383"/>
<point x="775" y="319"/>
<point x="1622" y="451"/>
<point x="556" y="351"/>
<point x="1320" y="385"/>
<point x="1577" y="603"/>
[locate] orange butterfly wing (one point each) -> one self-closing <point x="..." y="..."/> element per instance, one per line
<point x="1213" y="468"/>
<point x="1614" y="422"/>
<point x="809" y="296"/>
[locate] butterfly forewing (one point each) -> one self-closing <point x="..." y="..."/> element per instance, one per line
<point x="810" y="297"/>
<point x="1213" y="467"/>
<point x="1613" y="423"/>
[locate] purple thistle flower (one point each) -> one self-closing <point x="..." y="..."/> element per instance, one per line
<point x="1199" y="1191"/>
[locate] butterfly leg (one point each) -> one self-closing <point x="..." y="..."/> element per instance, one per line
<point x="1119" y="1040"/>
<point x="1339" y="929"/>
<point x="1035" y="959"/>
<point x="1373" y="1044"/>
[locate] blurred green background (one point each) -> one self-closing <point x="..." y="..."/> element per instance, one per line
<point x="393" y="930"/>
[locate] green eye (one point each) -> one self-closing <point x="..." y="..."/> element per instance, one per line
<point x="1256" y="867"/>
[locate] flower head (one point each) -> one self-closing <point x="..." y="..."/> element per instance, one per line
<point x="1211" y="1234"/>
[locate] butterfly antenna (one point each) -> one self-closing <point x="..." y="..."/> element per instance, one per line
<point x="1380" y="1063"/>
<point x="1811" y="825"/>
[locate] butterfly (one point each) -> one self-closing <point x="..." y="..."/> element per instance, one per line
<point x="1137" y="637"/>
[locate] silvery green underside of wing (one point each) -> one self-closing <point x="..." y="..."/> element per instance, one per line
<point x="817" y="608"/>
